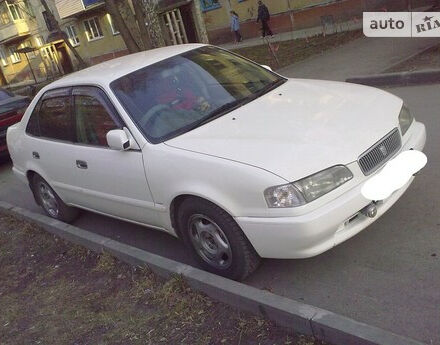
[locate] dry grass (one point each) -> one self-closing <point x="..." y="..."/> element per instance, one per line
<point x="293" y="51"/>
<point x="54" y="292"/>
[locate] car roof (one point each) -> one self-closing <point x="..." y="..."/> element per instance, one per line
<point x="105" y="72"/>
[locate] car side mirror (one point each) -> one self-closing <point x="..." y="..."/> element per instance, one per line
<point x="267" y="67"/>
<point x="117" y="139"/>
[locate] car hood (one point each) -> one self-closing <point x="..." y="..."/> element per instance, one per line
<point x="299" y="128"/>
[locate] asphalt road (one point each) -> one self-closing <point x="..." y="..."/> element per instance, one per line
<point x="387" y="276"/>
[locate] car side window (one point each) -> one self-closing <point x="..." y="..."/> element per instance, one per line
<point x="33" y="127"/>
<point x="92" y="119"/>
<point x="55" y="120"/>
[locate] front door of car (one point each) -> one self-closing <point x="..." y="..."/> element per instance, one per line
<point x="113" y="182"/>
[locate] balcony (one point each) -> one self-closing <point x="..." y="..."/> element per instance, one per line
<point x="75" y="7"/>
<point x="14" y="30"/>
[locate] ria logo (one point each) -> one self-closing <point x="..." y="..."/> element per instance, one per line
<point x="426" y="24"/>
<point x="402" y="24"/>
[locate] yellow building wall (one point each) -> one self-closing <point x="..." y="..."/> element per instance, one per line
<point x="218" y="17"/>
<point x="108" y="44"/>
<point x="248" y="10"/>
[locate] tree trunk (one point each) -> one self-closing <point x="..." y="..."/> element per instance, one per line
<point x="139" y="12"/>
<point x="56" y="25"/>
<point x="154" y="28"/>
<point x="112" y="8"/>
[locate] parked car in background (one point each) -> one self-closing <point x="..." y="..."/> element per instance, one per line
<point x="236" y="160"/>
<point x="12" y="108"/>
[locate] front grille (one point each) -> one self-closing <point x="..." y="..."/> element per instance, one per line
<point x="381" y="152"/>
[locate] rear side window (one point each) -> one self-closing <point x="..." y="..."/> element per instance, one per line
<point x="55" y="120"/>
<point x="33" y="127"/>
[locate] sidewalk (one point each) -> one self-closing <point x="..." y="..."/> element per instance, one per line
<point x="287" y="36"/>
<point x="364" y="56"/>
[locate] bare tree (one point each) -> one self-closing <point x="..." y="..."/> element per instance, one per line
<point x="139" y="12"/>
<point x="153" y="24"/>
<point x="140" y="30"/>
<point x="56" y="26"/>
<point x="113" y="8"/>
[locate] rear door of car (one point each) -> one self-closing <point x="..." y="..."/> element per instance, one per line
<point x="113" y="182"/>
<point x="49" y="143"/>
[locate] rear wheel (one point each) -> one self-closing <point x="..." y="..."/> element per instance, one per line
<point x="51" y="202"/>
<point x="215" y="239"/>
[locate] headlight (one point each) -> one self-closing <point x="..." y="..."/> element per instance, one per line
<point x="308" y="189"/>
<point x="283" y="196"/>
<point x="405" y="119"/>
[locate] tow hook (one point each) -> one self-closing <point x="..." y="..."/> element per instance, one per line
<point x="370" y="210"/>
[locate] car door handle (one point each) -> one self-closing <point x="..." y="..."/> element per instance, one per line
<point x="36" y="155"/>
<point x="81" y="164"/>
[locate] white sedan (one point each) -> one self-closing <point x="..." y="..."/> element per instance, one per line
<point x="236" y="160"/>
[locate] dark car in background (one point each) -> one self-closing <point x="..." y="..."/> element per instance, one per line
<point x="12" y="108"/>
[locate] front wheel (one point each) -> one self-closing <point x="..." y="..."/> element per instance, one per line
<point x="215" y="239"/>
<point x="51" y="202"/>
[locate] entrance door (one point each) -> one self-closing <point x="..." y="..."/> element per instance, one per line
<point x="188" y="22"/>
<point x="176" y="28"/>
<point x="64" y="57"/>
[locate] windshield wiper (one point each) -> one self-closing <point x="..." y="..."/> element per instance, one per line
<point x="220" y="111"/>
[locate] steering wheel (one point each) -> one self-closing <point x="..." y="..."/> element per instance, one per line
<point x="151" y="115"/>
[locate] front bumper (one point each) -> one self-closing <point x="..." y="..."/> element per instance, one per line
<point x="322" y="229"/>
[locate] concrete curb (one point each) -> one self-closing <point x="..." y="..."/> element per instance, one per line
<point x="412" y="56"/>
<point x="398" y="79"/>
<point x="300" y="317"/>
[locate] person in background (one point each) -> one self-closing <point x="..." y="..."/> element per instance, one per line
<point x="264" y="16"/>
<point x="235" y="26"/>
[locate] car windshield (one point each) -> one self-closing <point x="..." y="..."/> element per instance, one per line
<point x="178" y="94"/>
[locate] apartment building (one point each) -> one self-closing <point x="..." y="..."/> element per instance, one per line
<point x="91" y="29"/>
<point x="31" y="49"/>
<point x="24" y="24"/>
<point x="289" y="15"/>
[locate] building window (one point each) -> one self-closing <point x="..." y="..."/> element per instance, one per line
<point x="15" y="57"/>
<point x="88" y="3"/>
<point x="3" y="57"/>
<point x="4" y="14"/>
<point x="208" y="5"/>
<point x="14" y="10"/>
<point x="115" y="31"/>
<point x="93" y="29"/>
<point x="73" y="35"/>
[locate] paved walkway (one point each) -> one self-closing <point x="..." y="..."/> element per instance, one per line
<point x="287" y="36"/>
<point x="364" y="56"/>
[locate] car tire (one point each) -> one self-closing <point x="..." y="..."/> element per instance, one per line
<point x="51" y="203"/>
<point x="215" y="239"/>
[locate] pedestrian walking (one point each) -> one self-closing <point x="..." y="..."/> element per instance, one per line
<point x="264" y="16"/>
<point x="235" y="26"/>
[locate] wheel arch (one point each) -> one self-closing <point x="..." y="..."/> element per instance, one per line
<point x="30" y="175"/>
<point x="177" y="202"/>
